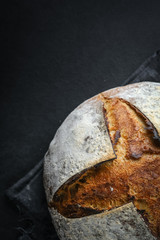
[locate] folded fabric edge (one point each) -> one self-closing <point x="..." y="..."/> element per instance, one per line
<point x="16" y="188"/>
<point x="133" y="77"/>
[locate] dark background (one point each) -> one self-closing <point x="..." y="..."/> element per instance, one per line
<point x="54" y="55"/>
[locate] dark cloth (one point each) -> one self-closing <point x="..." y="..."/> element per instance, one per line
<point x="28" y="193"/>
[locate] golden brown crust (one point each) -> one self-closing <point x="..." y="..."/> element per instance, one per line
<point x="132" y="176"/>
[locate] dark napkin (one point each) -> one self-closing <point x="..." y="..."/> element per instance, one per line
<point x="28" y="193"/>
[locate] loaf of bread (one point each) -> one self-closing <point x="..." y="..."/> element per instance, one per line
<point x="102" y="169"/>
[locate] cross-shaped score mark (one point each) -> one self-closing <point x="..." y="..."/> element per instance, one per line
<point x="134" y="175"/>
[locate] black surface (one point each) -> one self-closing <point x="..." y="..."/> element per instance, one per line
<point x="28" y="193"/>
<point x="54" y="55"/>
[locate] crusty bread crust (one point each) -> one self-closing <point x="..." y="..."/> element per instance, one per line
<point x="121" y="223"/>
<point x="71" y="151"/>
<point x="61" y="161"/>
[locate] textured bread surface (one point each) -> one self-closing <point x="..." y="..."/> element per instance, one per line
<point x="121" y="223"/>
<point x="102" y="171"/>
<point x="81" y="142"/>
<point x="132" y="176"/>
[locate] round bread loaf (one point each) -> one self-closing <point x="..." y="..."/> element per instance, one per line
<point x="102" y="169"/>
